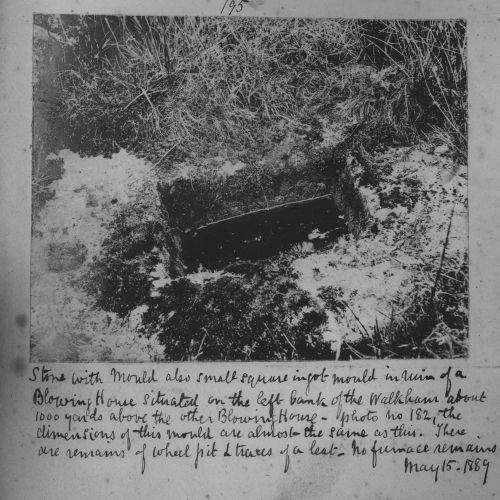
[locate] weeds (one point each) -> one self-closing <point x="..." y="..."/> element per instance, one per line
<point x="423" y="326"/>
<point x="195" y="82"/>
<point x="119" y="278"/>
<point x="262" y="317"/>
<point x="430" y="61"/>
<point x="41" y="180"/>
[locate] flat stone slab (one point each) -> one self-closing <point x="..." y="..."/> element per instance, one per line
<point x="261" y="233"/>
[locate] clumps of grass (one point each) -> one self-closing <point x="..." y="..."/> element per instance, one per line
<point x="153" y="82"/>
<point x="41" y="191"/>
<point x="432" y="322"/>
<point x="264" y="316"/>
<point x="120" y="277"/>
<point x="197" y="81"/>
<point x="41" y="180"/>
<point x="423" y="78"/>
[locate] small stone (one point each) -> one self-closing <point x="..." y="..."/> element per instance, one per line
<point x="91" y="200"/>
<point x="66" y="256"/>
<point x="441" y="150"/>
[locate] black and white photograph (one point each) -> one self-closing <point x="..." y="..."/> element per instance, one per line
<point x="248" y="189"/>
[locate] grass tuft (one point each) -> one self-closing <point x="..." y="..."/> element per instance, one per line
<point x="155" y="82"/>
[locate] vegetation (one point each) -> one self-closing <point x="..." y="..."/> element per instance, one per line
<point x="177" y="88"/>
<point x="425" y="64"/>
<point x="430" y="323"/>
<point x="119" y="279"/>
<point x="155" y="83"/>
<point x="261" y="316"/>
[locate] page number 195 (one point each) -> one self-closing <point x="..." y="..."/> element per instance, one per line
<point x="232" y="6"/>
